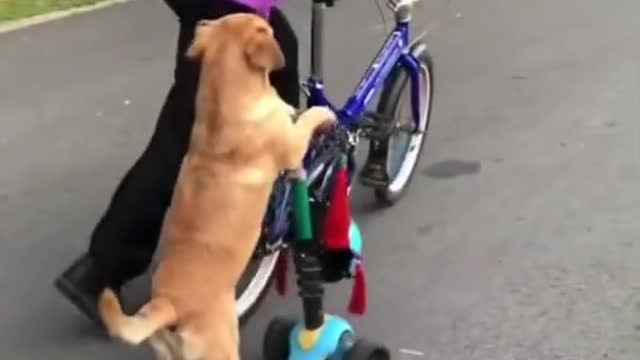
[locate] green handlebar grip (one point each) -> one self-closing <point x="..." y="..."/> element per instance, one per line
<point x="301" y="211"/>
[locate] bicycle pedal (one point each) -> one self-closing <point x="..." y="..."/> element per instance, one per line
<point x="374" y="175"/>
<point x="367" y="124"/>
<point x="376" y="135"/>
<point x="378" y="117"/>
<point x="376" y="126"/>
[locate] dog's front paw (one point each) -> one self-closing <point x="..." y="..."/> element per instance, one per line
<point x="320" y="112"/>
<point x="322" y="117"/>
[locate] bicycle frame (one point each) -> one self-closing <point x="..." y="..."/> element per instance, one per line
<point x="395" y="51"/>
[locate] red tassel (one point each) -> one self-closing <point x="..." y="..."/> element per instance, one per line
<point x="282" y="269"/>
<point x="338" y="220"/>
<point x="358" y="303"/>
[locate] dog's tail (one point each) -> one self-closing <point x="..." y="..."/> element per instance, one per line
<point x="157" y="314"/>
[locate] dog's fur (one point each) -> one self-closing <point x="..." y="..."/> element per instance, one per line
<point x="243" y="137"/>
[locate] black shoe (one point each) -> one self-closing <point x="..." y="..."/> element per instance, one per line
<point x="82" y="284"/>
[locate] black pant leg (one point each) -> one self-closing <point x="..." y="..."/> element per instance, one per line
<point x="287" y="80"/>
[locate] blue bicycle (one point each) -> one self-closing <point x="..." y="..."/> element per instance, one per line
<point x="401" y="73"/>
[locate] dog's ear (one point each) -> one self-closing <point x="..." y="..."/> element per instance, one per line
<point x="262" y="50"/>
<point x="201" y="39"/>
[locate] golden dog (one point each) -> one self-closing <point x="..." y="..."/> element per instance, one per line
<point x="243" y="138"/>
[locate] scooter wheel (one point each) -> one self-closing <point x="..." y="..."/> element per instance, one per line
<point x="276" y="339"/>
<point x="367" y="350"/>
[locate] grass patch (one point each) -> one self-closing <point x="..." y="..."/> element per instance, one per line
<point x="18" y="9"/>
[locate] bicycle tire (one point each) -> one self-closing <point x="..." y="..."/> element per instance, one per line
<point x="388" y="105"/>
<point x="259" y="274"/>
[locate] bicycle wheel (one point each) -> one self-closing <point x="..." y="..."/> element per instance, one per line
<point x="256" y="278"/>
<point x="254" y="283"/>
<point x="399" y="153"/>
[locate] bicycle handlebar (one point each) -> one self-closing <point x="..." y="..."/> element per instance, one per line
<point x="402" y="8"/>
<point x="402" y="3"/>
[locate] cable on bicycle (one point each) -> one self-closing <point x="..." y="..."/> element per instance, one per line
<point x="382" y="17"/>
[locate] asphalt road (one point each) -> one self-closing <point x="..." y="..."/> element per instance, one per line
<point x="519" y="239"/>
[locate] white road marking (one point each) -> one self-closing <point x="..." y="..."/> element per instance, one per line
<point x="411" y="352"/>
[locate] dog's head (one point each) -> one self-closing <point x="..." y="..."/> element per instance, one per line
<point x="237" y="37"/>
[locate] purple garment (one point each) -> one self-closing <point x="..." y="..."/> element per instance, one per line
<point x="263" y="7"/>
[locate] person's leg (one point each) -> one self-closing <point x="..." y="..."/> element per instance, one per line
<point x="287" y="80"/>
